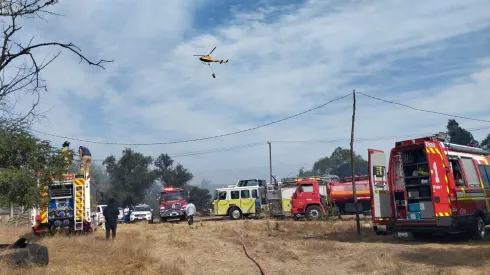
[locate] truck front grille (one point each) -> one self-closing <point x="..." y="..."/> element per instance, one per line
<point x="173" y="206"/>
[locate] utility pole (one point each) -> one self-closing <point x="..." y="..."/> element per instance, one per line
<point x="270" y="177"/>
<point x="353" y="162"/>
<point x="270" y="162"/>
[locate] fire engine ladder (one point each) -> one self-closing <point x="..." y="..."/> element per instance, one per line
<point x="78" y="211"/>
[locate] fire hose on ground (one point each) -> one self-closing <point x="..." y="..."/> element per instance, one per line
<point x="262" y="272"/>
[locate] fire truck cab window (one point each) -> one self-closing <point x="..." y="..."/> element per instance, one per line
<point x="254" y="194"/>
<point x="235" y="195"/>
<point x="222" y="195"/>
<point x="471" y="173"/>
<point x="306" y="188"/>
<point x="456" y="169"/>
<point x="247" y="183"/>
<point x="485" y="175"/>
<point x="245" y="194"/>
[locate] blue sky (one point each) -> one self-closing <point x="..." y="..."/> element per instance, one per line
<point x="285" y="56"/>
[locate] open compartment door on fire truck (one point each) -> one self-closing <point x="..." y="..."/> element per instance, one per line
<point x="382" y="207"/>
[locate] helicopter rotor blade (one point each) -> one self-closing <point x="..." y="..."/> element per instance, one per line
<point x="212" y="51"/>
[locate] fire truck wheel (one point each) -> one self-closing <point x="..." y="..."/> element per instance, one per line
<point x="314" y="212"/>
<point x="478" y="231"/>
<point x="235" y="213"/>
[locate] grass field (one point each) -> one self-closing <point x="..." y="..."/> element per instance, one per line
<point x="280" y="247"/>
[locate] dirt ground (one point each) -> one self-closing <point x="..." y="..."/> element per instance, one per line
<point x="214" y="247"/>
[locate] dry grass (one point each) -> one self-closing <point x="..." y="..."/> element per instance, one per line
<point x="215" y="248"/>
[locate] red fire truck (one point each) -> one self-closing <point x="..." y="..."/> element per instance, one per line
<point x="315" y="197"/>
<point x="430" y="186"/>
<point x="172" y="204"/>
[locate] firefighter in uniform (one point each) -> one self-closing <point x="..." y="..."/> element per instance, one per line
<point x="65" y="152"/>
<point x="85" y="159"/>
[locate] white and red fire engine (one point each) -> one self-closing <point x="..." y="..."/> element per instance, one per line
<point x="430" y="186"/>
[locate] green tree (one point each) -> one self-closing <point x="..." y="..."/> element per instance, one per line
<point x="200" y="197"/>
<point x="169" y="175"/>
<point x="485" y="144"/>
<point x="22" y="156"/>
<point x="130" y="177"/>
<point x="339" y="163"/>
<point x="305" y="173"/>
<point x="459" y="135"/>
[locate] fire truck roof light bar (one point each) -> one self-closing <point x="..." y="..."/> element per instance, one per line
<point x="466" y="149"/>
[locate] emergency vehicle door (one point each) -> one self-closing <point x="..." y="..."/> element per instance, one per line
<point x="247" y="202"/>
<point x="222" y="203"/>
<point x="378" y="186"/>
<point x="439" y="180"/>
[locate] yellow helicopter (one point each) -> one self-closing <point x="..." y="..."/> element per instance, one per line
<point x="206" y="59"/>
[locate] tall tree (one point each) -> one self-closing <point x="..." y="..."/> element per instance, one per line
<point x="485" y="144"/>
<point x="20" y="68"/>
<point x="131" y="176"/>
<point x="22" y="156"/>
<point x="169" y="175"/>
<point x="200" y="197"/>
<point x="337" y="164"/>
<point x="459" y="135"/>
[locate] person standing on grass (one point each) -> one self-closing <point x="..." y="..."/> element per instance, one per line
<point x="257" y="208"/>
<point x="190" y="211"/>
<point x="111" y="212"/>
<point x="126" y="214"/>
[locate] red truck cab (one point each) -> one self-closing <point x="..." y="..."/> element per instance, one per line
<point x="307" y="200"/>
<point x="172" y="204"/>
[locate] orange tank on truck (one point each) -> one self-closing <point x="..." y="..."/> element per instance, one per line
<point x="430" y="186"/>
<point x="341" y="195"/>
<point x="172" y="204"/>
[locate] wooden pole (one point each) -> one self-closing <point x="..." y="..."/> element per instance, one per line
<point x="270" y="179"/>
<point x="353" y="162"/>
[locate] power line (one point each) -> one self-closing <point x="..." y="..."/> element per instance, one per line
<point x="368" y="138"/>
<point x="256" y="168"/>
<point x="421" y="110"/>
<point x="256" y="144"/>
<point x="223" y="149"/>
<point x="199" y="139"/>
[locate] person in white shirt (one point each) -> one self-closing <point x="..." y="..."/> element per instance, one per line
<point x="190" y="211"/>
<point x="126" y="214"/>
